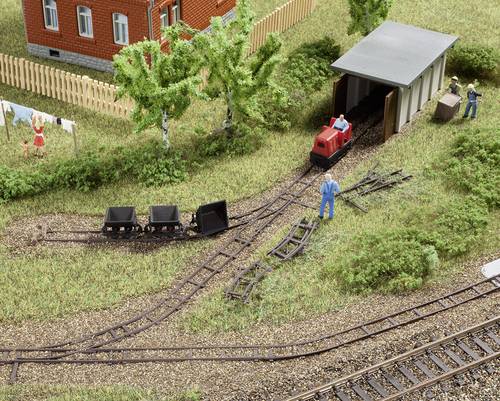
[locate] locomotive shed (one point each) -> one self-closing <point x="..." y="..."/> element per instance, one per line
<point x="396" y="67"/>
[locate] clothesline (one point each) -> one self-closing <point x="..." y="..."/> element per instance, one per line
<point x="25" y="114"/>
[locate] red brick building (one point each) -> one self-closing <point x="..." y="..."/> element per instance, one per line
<point x="90" y="32"/>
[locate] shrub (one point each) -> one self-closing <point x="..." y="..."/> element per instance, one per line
<point x="148" y="163"/>
<point x="163" y="169"/>
<point x="306" y="70"/>
<point x="390" y="261"/>
<point x="459" y="225"/>
<point x="244" y="140"/>
<point x="474" y="165"/>
<point x="473" y="60"/>
<point x="83" y="174"/>
<point x="16" y="184"/>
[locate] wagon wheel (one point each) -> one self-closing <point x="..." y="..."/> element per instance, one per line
<point x="115" y="232"/>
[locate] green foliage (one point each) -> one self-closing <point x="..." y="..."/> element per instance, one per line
<point x="459" y="225"/>
<point x="83" y="174"/>
<point x="148" y="164"/>
<point x="245" y="140"/>
<point x="389" y="260"/>
<point x="16" y="184"/>
<point x="160" y="169"/>
<point x="161" y="84"/>
<point x="474" y="165"/>
<point x="233" y="75"/>
<point x="473" y="60"/>
<point x="306" y="71"/>
<point x="366" y="15"/>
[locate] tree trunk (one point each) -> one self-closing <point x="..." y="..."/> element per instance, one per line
<point x="164" y="130"/>
<point x="228" y="122"/>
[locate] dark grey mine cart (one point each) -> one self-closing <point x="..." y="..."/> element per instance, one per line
<point x="120" y="220"/>
<point x="163" y="218"/>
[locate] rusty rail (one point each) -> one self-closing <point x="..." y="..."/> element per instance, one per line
<point x="271" y="352"/>
<point x="295" y="241"/>
<point x="417" y="369"/>
<point x="245" y="281"/>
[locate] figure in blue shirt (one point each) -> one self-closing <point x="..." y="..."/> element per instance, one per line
<point x="471" y="101"/>
<point x="341" y="124"/>
<point x="329" y="188"/>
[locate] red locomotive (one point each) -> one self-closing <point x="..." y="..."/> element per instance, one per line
<point x="330" y="145"/>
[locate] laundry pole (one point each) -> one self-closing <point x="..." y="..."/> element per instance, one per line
<point x="5" y="121"/>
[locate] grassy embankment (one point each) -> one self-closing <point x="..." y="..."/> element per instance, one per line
<point x="115" y="393"/>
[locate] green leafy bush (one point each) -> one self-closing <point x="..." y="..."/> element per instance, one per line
<point x="389" y="261"/>
<point x="474" y="165"/>
<point x="163" y="169"/>
<point x="15" y="184"/>
<point x="306" y="70"/>
<point x="459" y="225"/>
<point x="244" y="140"/>
<point x="83" y="174"/>
<point x="148" y="164"/>
<point x="473" y="60"/>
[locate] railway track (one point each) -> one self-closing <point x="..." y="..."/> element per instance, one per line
<point x="244" y="237"/>
<point x="418" y="369"/>
<point x="251" y="225"/>
<point x="271" y="352"/>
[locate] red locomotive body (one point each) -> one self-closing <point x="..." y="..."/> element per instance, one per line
<point x="330" y="145"/>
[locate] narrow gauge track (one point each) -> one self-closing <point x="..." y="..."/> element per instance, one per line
<point x="95" y="236"/>
<point x="273" y="352"/>
<point x="418" y="369"/>
<point x="189" y="286"/>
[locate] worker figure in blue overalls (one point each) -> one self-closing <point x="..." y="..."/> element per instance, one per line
<point x="329" y="188"/>
<point x="472" y="96"/>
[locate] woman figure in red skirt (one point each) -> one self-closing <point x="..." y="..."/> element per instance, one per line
<point x="39" y="142"/>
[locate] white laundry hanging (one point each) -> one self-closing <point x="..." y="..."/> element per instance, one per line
<point x="68" y="126"/>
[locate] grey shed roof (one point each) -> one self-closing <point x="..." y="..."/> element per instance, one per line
<point x="394" y="54"/>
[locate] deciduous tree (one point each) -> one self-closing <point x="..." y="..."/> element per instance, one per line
<point x="366" y="15"/>
<point x="231" y="73"/>
<point x="161" y="84"/>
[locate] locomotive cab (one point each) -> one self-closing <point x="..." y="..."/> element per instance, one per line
<point x="330" y="145"/>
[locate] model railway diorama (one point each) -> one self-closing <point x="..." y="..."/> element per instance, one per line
<point x="274" y="301"/>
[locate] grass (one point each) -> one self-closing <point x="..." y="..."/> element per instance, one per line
<point x="304" y="287"/>
<point x="81" y="278"/>
<point x="108" y="393"/>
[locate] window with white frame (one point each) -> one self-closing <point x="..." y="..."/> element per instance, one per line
<point x="120" y="28"/>
<point x="50" y="14"/>
<point x="164" y="17"/>
<point x="176" y="12"/>
<point x="85" y="21"/>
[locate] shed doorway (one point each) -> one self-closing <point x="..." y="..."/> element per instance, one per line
<point x="366" y="103"/>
